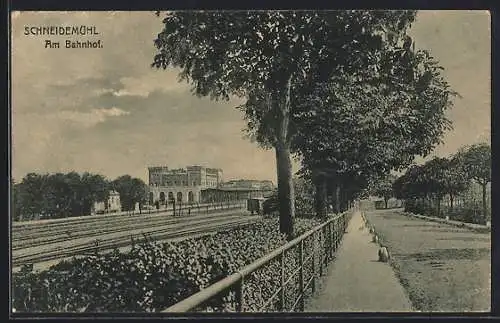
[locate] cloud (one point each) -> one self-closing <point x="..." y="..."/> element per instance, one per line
<point x="93" y="117"/>
<point x="58" y="95"/>
<point x="149" y="82"/>
<point x="128" y="51"/>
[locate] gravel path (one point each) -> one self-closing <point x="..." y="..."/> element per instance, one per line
<point x="443" y="268"/>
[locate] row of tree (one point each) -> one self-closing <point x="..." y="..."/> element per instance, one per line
<point x="63" y="195"/>
<point x="343" y="91"/>
<point x="440" y="177"/>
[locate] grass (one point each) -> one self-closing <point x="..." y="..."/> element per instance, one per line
<point x="442" y="268"/>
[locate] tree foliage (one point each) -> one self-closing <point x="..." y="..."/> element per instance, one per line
<point x="131" y="190"/>
<point x="62" y="195"/>
<point x="435" y="178"/>
<point x="450" y="177"/>
<point x="477" y="162"/>
<point x="375" y="120"/>
<point x="383" y="187"/>
<point x="275" y="59"/>
<point x="153" y="276"/>
<point x="304" y="191"/>
<point x="477" y="166"/>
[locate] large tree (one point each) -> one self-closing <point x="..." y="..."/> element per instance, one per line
<point x="365" y="121"/>
<point x="269" y="56"/>
<point x="131" y="190"/>
<point x="95" y="188"/>
<point x="383" y="187"/>
<point x="433" y="180"/>
<point x="58" y="195"/>
<point x="455" y="178"/>
<point x="435" y="173"/>
<point x="30" y="196"/>
<point x="375" y="124"/>
<point x="476" y="161"/>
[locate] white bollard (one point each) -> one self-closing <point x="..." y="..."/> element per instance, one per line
<point x="383" y="254"/>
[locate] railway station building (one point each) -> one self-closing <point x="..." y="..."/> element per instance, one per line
<point x="199" y="184"/>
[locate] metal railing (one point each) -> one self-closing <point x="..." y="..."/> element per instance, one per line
<point x="195" y="208"/>
<point x="293" y="271"/>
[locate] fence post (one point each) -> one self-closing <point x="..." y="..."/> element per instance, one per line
<point x="301" y="275"/>
<point x="314" y="260"/>
<point x="336" y="227"/>
<point x="282" y="293"/>
<point x="321" y="239"/>
<point x="340" y="233"/>
<point x="331" y="230"/>
<point x="240" y="302"/>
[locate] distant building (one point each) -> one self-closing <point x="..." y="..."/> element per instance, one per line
<point x="190" y="176"/>
<point x="113" y="204"/>
<point x="248" y="183"/>
<point x="198" y="184"/>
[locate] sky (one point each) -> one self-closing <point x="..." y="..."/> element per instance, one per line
<point x="105" y="110"/>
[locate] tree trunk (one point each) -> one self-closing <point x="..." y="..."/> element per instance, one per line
<point x="285" y="190"/>
<point x="439" y="206"/>
<point x="485" y="210"/>
<point x="286" y="194"/>
<point x="451" y="201"/>
<point x="320" y="196"/>
<point x="386" y="200"/>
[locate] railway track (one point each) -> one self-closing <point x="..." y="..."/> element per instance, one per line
<point x="25" y="230"/>
<point x="140" y="228"/>
<point x="110" y="241"/>
<point x="59" y="234"/>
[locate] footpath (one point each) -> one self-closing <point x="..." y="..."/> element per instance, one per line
<point x="356" y="281"/>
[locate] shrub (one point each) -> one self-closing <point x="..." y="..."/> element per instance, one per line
<point x="153" y="275"/>
<point x="466" y="213"/>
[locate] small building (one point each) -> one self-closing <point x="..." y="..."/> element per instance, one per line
<point x="256" y="205"/>
<point x="113" y="204"/>
<point x="250" y="184"/>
